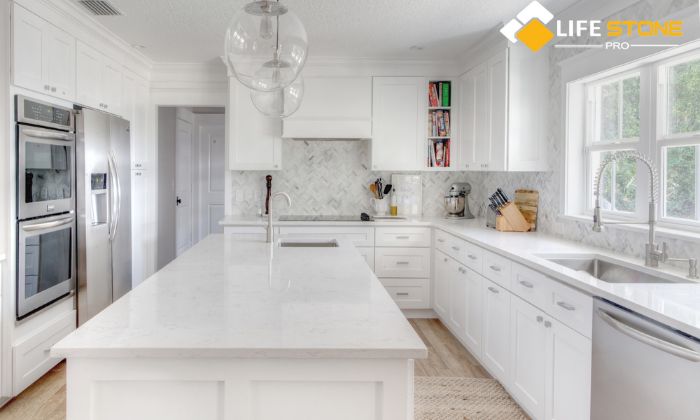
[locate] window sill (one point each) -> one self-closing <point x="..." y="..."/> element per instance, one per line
<point x="664" y="232"/>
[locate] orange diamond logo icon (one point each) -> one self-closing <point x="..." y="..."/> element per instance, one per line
<point x="535" y="35"/>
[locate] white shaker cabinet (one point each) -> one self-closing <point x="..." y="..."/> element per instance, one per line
<point x="255" y="141"/>
<point x="444" y="268"/>
<point x="458" y="299"/>
<point x="496" y="331"/>
<point x="139" y="225"/>
<point x="503" y="109"/>
<point x="398" y="123"/>
<point x="99" y="80"/>
<point x="333" y="108"/>
<point x="135" y="99"/>
<point x="473" y="312"/>
<point x="529" y="342"/>
<point x="43" y="56"/>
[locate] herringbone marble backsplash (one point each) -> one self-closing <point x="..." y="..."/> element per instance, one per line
<point x="332" y="178"/>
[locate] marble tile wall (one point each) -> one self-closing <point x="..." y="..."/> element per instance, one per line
<point x="331" y="177"/>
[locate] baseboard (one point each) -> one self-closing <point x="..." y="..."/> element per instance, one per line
<point x="419" y="313"/>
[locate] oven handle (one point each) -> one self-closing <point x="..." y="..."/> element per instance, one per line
<point x="47" y="225"/>
<point x="652" y="341"/>
<point x="39" y="134"/>
<point x="117" y="192"/>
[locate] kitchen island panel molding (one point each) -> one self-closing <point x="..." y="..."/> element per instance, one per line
<point x="240" y="389"/>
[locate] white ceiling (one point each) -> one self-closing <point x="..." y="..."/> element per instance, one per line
<point x="193" y="30"/>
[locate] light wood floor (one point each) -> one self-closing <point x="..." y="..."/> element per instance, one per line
<point x="46" y="399"/>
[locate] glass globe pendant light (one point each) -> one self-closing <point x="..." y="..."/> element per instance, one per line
<point x="266" y="46"/>
<point x="279" y="103"/>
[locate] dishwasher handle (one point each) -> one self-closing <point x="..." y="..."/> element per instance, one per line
<point x="650" y="340"/>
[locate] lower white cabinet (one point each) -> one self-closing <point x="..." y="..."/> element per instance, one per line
<point x="458" y="299"/>
<point x="496" y="330"/>
<point x="139" y="225"/>
<point x="402" y="262"/>
<point x="408" y="293"/>
<point x="441" y="285"/>
<point x="528" y="338"/>
<point x="473" y="312"/>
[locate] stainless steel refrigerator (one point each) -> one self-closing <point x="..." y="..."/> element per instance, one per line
<point x="103" y="209"/>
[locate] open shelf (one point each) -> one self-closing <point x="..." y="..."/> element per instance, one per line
<point x="439" y="136"/>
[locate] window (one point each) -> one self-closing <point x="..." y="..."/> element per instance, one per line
<point x="613" y="126"/>
<point x="652" y="107"/>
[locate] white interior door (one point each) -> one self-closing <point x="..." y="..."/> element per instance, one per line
<point x="212" y="147"/>
<point x="183" y="185"/>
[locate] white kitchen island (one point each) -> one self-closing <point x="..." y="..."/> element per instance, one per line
<point x="235" y="330"/>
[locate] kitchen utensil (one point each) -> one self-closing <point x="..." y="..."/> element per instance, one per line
<point x="373" y="188"/>
<point x="456" y="201"/>
<point x="365" y="217"/>
<point x="387" y="189"/>
<point x="268" y="180"/>
<point x="502" y="195"/>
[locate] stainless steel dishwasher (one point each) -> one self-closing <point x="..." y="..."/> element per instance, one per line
<point x="642" y="370"/>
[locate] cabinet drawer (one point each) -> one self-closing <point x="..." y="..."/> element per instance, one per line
<point x="368" y="255"/>
<point x="31" y="356"/>
<point x="497" y="269"/>
<point x="359" y="236"/>
<point x="531" y="286"/>
<point x="472" y="256"/>
<point x="402" y="262"/>
<point x="246" y="233"/>
<point x="408" y="293"/>
<point x="572" y="308"/>
<point x="403" y="236"/>
<point x="444" y="242"/>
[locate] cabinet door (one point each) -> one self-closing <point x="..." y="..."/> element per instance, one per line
<point x="60" y="63"/>
<point x="139" y="126"/>
<point x="568" y="374"/>
<point x="529" y="342"/>
<point x="111" y="87"/>
<point x="441" y="303"/>
<point x="139" y="200"/>
<point x="496" y="331"/>
<point x="255" y="141"/>
<point x="467" y="113"/>
<point x="89" y="76"/>
<point x="458" y="299"/>
<point x="398" y="123"/>
<point x="498" y="111"/>
<point x="482" y="138"/>
<point x="473" y="313"/>
<point x="28" y="48"/>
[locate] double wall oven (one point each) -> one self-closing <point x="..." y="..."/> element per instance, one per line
<point x="46" y="191"/>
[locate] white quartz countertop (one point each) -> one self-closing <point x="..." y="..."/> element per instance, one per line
<point x="674" y="304"/>
<point x="226" y="298"/>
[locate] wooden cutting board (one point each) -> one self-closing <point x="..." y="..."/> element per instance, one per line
<point x="527" y="202"/>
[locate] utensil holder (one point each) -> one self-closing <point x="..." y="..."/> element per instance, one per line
<point x="511" y="219"/>
<point x="381" y="207"/>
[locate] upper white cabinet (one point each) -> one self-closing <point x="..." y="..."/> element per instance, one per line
<point x="398" y="123"/>
<point x="255" y="141"/>
<point x="44" y="56"/>
<point x="503" y="109"/>
<point x="99" y="80"/>
<point x="135" y="98"/>
<point x="333" y="108"/>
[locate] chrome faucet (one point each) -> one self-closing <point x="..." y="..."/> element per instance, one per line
<point x="269" y="213"/>
<point x="653" y="253"/>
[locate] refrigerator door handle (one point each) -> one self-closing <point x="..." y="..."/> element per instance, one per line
<point x="117" y="193"/>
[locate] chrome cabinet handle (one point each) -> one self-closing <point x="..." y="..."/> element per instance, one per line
<point x="47" y="225"/>
<point x="652" y="341"/>
<point x="441" y="240"/>
<point x="526" y="284"/>
<point x="461" y="270"/>
<point x="566" y="306"/>
<point x="495" y="268"/>
<point x="445" y="259"/>
<point x="456" y="248"/>
<point x="539" y="318"/>
<point x="401" y="262"/>
<point x="53" y="88"/>
<point x="471" y="256"/>
<point x="47" y="87"/>
<point x="547" y="324"/>
<point x="402" y="237"/>
<point x="493" y="289"/>
<point x="401" y="293"/>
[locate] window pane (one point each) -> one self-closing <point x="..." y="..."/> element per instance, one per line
<point x="630" y="108"/>
<point x="618" y="188"/>
<point x="609" y="112"/>
<point x="625" y="184"/>
<point x="684" y="98"/>
<point x="681" y="178"/>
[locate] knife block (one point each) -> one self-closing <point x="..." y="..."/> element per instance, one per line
<point x="511" y="219"/>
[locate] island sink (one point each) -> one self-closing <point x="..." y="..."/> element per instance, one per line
<point x="610" y="270"/>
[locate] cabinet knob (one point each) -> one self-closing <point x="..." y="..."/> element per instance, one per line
<point x="471" y="257"/>
<point x="527" y="284"/>
<point x="547" y="324"/>
<point x="466" y="166"/>
<point x="539" y="318"/>
<point x="47" y="87"/>
<point x="276" y="166"/>
<point x="493" y="290"/>
<point x="53" y="89"/>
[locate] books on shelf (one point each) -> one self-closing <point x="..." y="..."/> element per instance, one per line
<point x="439" y="94"/>
<point x="439" y="123"/>
<point x="439" y="153"/>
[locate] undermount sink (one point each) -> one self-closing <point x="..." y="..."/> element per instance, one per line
<point x="611" y="271"/>
<point x="331" y="243"/>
